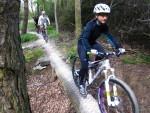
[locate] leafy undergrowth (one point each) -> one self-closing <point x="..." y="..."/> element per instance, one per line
<point x="28" y="37"/>
<point x="52" y="33"/>
<point x="67" y="45"/>
<point x="137" y="58"/>
<point x="32" y="54"/>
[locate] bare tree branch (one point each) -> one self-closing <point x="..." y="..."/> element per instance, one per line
<point x="146" y="20"/>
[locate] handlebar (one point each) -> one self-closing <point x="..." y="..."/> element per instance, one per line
<point x="105" y="55"/>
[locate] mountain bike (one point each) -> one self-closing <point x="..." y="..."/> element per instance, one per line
<point x="43" y="30"/>
<point x="114" y="95"/>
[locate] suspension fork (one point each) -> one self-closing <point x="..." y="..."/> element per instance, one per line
<point x="109" y="73"/>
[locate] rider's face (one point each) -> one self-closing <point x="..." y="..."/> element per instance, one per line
<point x="102" y="17"/>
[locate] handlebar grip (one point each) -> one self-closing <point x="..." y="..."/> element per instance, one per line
<point x="88" y="53"/>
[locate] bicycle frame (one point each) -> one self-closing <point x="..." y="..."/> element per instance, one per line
<point x="108" y="71"/>
<point x="103" y="65"/>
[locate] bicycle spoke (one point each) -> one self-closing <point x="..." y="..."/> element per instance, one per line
<point x="125" y="105"/>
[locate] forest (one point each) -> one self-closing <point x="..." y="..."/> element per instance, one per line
<point x="129" y="22"/>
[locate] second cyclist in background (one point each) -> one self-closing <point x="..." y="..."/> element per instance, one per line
<point x="43" y="22"/>
<point x="87" y="40"/>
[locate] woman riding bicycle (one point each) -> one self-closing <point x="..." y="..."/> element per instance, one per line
<point x="87" y="40"/>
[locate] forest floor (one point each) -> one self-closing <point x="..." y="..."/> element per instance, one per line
<point x="47" y="94"/>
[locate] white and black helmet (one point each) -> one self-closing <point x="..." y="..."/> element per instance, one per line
<point x="101" y="8"/>
<point x="43" y="12"/>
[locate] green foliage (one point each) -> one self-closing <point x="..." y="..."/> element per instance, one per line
<point x="28" y="37"/>
<point x="139" y="58"/>
<point x="71" y="53"/>
<point x="52" y="33"/>
<point x="31" y="26"/>
<point x="66" y="14"/>
<point x="31" y="55"/>
<point x="49" y="8"/>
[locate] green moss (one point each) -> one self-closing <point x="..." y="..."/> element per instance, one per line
<point x="33" y="54"/>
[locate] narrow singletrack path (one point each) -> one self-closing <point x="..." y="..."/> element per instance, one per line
<point x="63" y="71"/>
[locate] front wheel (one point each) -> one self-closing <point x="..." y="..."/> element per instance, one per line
<point x="45" y="36"/>
<point x="76" y="65"/>
<point x="127" y="102"/>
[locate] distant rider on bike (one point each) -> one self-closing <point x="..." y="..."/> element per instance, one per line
<point x="43" y="21"/>
<point x="87" y="41"/>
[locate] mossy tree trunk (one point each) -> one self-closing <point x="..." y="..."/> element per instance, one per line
<point x="25" y="19"/>
<point x="13" y="90"/>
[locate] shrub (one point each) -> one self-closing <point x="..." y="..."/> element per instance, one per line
<point x="71" y="54"/>
<point x="138" y="58"/>
<point x="52" y="32"/>
<point x="33" y="54"/>
<point x="28" y="37"/>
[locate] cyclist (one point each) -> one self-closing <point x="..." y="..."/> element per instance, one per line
<point x="43" y="20"/>
<point x="88" y="37"/>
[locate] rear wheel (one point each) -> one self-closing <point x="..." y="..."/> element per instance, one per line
<point x="125" y="96"/>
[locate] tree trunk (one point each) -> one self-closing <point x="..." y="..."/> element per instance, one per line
<point x="77" y="18"/>
<point x="25" y="20"/>
<point x="44" y="3"/>
<point x="38" y="9"/>
<point x="13" y="90"/>
<point x="55" y="12"/>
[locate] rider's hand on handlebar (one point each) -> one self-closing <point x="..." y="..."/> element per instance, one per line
<point x="120" y="51"/>
<point x="93" y="51"/>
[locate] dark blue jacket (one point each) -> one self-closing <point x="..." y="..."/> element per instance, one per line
<point x="92" y="32"/>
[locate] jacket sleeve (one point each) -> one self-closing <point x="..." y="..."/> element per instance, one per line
<point x="113" y="41"/>
<point x="86" y="35"/>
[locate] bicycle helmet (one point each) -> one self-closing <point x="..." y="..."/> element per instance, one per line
<point x="43" y="12"/>
<point x="101" y="8"/>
